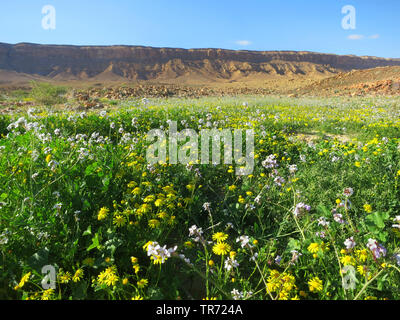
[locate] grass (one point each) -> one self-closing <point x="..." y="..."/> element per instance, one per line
<point x="77" y="193"/>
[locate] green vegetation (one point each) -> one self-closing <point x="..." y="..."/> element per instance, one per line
<point x="316" y="219"/>
<point x="47" y="94"/>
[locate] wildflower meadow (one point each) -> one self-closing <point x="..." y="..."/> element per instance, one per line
<point x="84" y="214"/>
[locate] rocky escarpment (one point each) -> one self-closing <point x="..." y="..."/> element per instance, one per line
<point x="61" y="62"/>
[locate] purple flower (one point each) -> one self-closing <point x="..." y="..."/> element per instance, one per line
<point x="377" y="249"/>
<point x="300" y="209"/>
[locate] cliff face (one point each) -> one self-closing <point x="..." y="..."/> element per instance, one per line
<point x="146" y="63"/>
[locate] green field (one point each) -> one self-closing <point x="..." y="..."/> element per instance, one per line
<point x="316" y="219"/>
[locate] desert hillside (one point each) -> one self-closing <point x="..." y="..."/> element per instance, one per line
<point x="169" y="65"/>
<point x="376" y="81"/>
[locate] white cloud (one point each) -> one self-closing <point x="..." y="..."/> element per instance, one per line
<point x="374" y="36"/>
<point x="355" y="37"/>
<point x="243" y="42"/>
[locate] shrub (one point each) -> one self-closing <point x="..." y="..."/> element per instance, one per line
<point x="48" y="94"/>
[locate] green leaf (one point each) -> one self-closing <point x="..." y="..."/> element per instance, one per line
<point x="3" y="196"/>
<point x="95" y="243"/>
<point x="293" y="244"/>
<point x="88" y="231"/>
<point x="378" y="219"/>
<point x="324" y="210"/>
<point x="91" y="169"/>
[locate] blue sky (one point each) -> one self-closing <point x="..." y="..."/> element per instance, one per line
<point x="309" y="25"/>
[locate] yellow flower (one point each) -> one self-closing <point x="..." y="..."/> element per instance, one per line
<point x="134" y="260"/>
<point x="158" y="202"/>
<point x="162" y="214"/>
<point x="232" y="188"/>
<point x="143" y="209"/>
<point x="315" y="284"/>
<point x="64" y="277"/>
<point x="125" y="281"/>
<point x="137" y="298"/>
<point x="47" y="294"/>
<point x="48" y="158"/>
<point x="210" y="263"/>
<point x="142" y="283"/>
<point x="362" y="255"/>
<point x="136" y="191"/>
<point x="102" y="213"/>
<point x="347" y="260"/>
<point x="313" y="247"/>
<point x="221" y="248"/>
<point x="188" y="244"/>
<point x="361" y="270"/>
<point x="154" y="223"/>
<point x="136" y="267"/>
<point x="111" y="279"/>
<point x="147" y="245"/>
<point x="119" y="220"/>
<point x="211" y="298"/>
<point x="219" y="236"/>
<point x="241" y="200"/>
<point x="77" y="276"/>
<point x="149" y="198"/>
<point x="283" y="295"/>
<point x="367" y="208"/>
<point x="23" y="280"/>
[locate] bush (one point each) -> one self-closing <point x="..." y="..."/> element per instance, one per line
<point x="48" y="94"/>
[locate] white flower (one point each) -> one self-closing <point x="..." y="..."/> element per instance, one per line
<point x="207" y="206"/>
<point x="156" y="252"/>
<point x="397" y="257"/>
<point x="293" y="168"/>
<point x="236" y="295"/>
<point x="350" y="243"/>
<point x="338" y="217"/>
<point x="231" y="263"/>
<point x="244" y="241"/>
<point x="295" y="256"/>
<point x="57" y="206"/>
<point x="270" y="162"/>
<point x="229" y="225"/>
<point x="348" y="192"/>
<point x="323" y="222"/>
<point x="254" y="257"/>
<point x="196" y="233"/>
